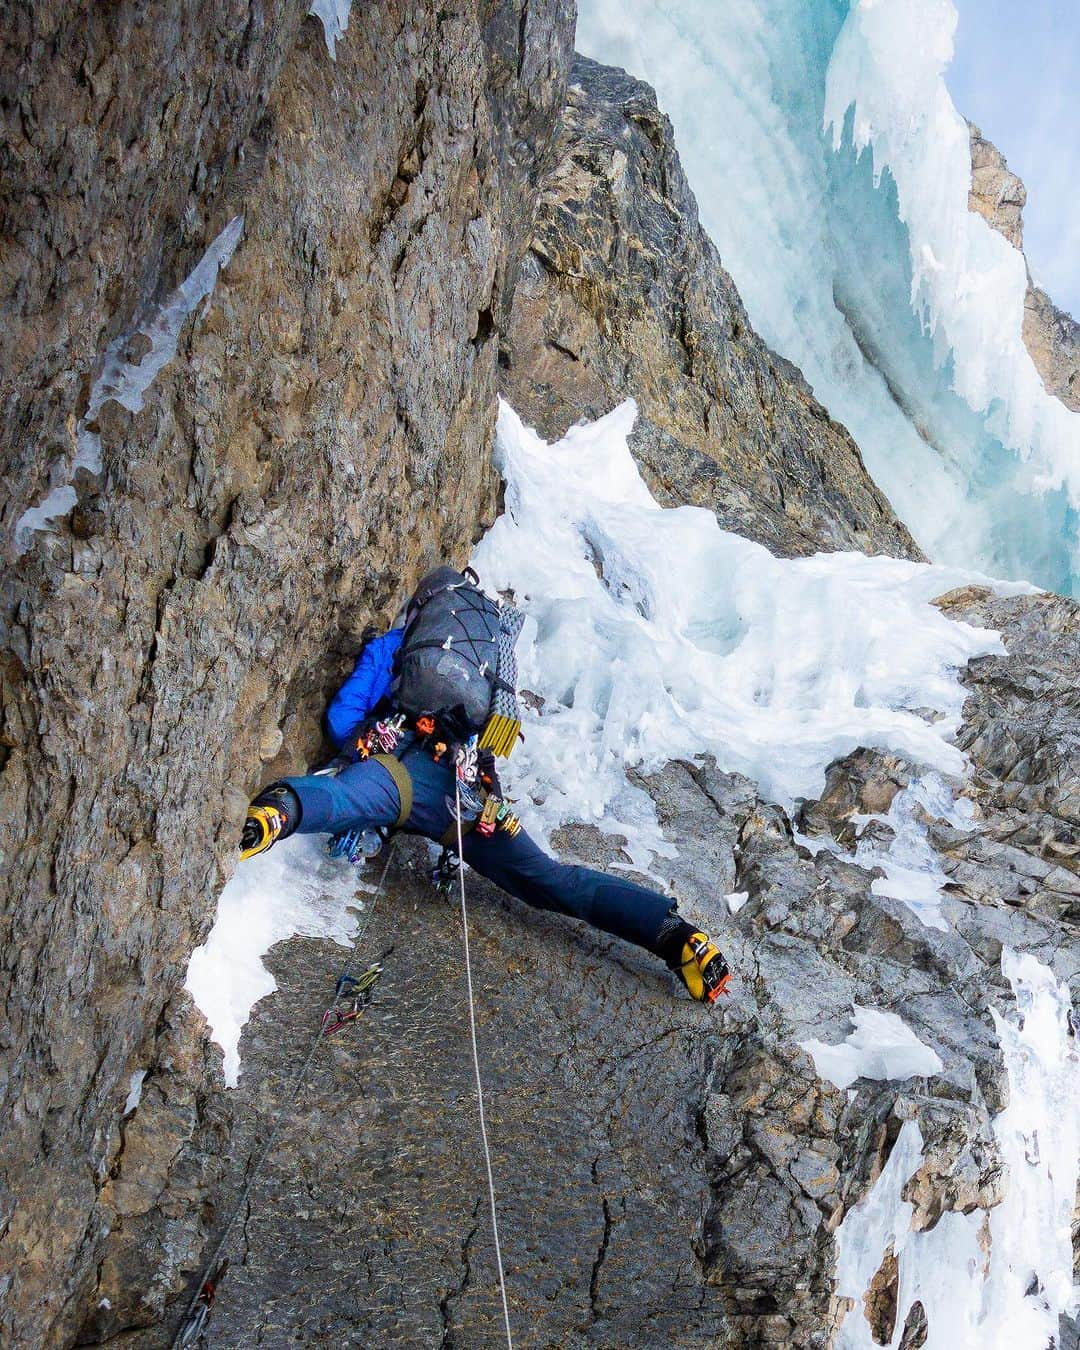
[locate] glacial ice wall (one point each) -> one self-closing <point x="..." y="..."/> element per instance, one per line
<point x="832" y="170"/>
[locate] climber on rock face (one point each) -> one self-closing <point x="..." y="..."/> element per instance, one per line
<point x="418" y="724"/>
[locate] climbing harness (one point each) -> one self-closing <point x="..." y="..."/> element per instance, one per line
<point x="479" y="1082"/>
<point x="355" y="992"/>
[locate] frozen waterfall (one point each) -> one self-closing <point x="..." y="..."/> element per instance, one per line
<point x="832" y="171"/>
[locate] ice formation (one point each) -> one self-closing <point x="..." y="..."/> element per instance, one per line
<point x="135" y="1087"/>
<point x="912" y="866"/>
<point x="901" y="307"/>
<point x="292" y="890"/>
<point x="126" y="381"/>
<point x="653" y="635"/>
<point x="334" y="16"/>
<point x="881" y="1045"/>
<point x="1014" y="1293"/>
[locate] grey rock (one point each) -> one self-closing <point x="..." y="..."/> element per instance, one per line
<point x="322" y="435"/>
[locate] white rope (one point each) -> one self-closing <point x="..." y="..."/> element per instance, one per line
<point x="476" y="1069"/>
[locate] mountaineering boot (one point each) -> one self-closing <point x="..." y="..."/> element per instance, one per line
<point x="703" y="970"/>
<point x="693" y="957"/>
<point x="273" y="815"/>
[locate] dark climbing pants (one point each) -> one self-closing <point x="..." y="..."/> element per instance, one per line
<point x="366" y="794"/>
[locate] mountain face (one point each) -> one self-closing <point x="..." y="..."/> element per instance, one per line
<point x="429" y="218"/>
<point x="321" y="436"/>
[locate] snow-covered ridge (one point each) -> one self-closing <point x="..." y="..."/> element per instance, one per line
<point x="901" y="307"/>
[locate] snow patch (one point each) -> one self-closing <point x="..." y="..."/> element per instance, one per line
<point x="881" y="1046"/>
<point x="135" y="1087"/>
<point x="334" y="16"/>
<point x="293" y="889"/>
<point x="1015" y="1295"/>
<point x="654" y="635"/>
<point x="126" y="381"/>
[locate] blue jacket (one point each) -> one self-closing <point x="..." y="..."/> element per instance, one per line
<point x="366" y="686"/>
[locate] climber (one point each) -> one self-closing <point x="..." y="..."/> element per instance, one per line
<point x="417" y="725"/>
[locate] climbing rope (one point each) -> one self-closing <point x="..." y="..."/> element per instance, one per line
<point x="476" y="1070"/>
<point x="358" y="988"/>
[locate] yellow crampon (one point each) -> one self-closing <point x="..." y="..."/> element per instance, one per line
<point x="500" y="735"/>
<point x="704" y="971"/>
<point x="261" y="828"/>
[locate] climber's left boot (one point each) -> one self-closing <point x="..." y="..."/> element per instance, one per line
<point x="273" y="815"/>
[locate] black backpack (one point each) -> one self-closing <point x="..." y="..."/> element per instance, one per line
<point x="448" y="660"/>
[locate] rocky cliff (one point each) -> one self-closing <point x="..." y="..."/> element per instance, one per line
<point x="317" y="432"/>
<point x="1052" y="336"/>
<point x="321" y="434"/>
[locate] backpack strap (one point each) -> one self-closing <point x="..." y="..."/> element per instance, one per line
<point x="402" y="781"/>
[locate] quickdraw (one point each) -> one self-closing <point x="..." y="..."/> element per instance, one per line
<point x="358" y="846"/>
<point x="352" y="995"/>
<point x="444" y="873"/>
<point x="195" y="1325"/>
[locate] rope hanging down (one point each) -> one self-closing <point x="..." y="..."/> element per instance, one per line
<point x="356" y="988"/>
<point x="476" y="1070"/>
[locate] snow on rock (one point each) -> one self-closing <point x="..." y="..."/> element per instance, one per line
<point x="294" y="889"/>
<point x="654" y="635"/>
<point x="881" y="1046"/>
<point x="1014" y="1294"/>
<point x="334" y="16"/>
<point x="912" y="867"/>
<point x="126" y="381"/>
<point x="135" y="1087"/>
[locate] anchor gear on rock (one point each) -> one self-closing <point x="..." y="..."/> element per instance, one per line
<point x="194" y="1327"/>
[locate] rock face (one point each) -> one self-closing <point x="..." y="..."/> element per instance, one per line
<point x="665" y="1176"/>
<point x="1052" y="336"/>
<point x="623" y="294"/>
<point x="321" y="436"/>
